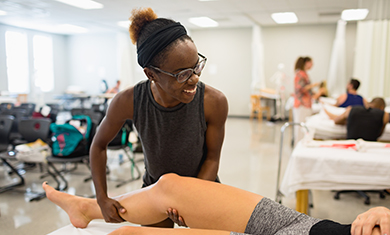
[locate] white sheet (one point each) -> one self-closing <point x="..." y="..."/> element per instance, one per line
<point x="96" y="227"/>
<point x="336" y="169"/>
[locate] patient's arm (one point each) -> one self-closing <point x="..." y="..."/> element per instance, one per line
<point x="339" y="119"/>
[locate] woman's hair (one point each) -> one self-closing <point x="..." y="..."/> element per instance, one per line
<point x="145" y="22"/>
<point x="300" y="63"/>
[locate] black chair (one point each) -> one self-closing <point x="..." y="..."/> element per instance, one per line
<point x="29" y="107"/>
<point x="95" y="116"/>
<point x="32" y="129"/>
<point x="6" y="106"/>
<point x="121" y="142"/>
<point x="5" y="130"/>
<point x="362" y="193"/>
<point x="18" y="114"/>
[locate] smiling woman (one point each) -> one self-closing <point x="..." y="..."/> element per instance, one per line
<point x="179" y="119"/>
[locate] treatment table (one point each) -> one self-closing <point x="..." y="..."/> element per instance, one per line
<point x="335" y="168"/>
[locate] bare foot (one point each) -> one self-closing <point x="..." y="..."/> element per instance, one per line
<point x="76" y="207"/>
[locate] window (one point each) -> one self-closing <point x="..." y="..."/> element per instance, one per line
<point x="17" y="62"/>
<point x="43" y="62"/>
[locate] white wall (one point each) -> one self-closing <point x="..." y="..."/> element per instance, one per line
<point x="228" y="67"/>
<point x="92" y="57"/>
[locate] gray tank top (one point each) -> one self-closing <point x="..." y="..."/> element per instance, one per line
<point x="173" y="139"/>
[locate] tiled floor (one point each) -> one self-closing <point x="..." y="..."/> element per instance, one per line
<point x="249" y="161"/>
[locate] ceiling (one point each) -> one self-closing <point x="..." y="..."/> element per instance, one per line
<point x="46" y="15"/>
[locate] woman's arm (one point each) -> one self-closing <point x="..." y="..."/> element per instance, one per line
<point x="216" y="110"/>
<point x="120" y="109"/>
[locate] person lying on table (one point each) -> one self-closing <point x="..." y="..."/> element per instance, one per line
<point x="212" y="208"/>
<point x="363" y="123"/>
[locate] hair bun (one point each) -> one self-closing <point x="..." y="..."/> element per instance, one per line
<point x="140" y="18"/>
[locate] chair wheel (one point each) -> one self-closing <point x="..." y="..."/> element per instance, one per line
<point x="382" y="196"/>
<point x="336" y="196"/>
<point x="367" y="201"/>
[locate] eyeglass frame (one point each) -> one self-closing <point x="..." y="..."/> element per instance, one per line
<point x="177" y="74"/>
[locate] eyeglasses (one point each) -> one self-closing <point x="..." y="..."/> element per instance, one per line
<point x="185" y="74"/>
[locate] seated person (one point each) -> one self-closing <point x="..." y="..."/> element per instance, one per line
<point x="351" y="97"/>
<point x="212" y="208"/>
<point x="322" y="91"/>
<point x="363" y="123"/>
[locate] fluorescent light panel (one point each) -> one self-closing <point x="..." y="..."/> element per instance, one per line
<point x="203" y="21"/>
<point x="124" y="24"/>
<point x="84" y="4"/>
<point x="354" y="14"/>
<point x="71" y="28"/>
<point x="285" y="17"/>
<point x="3" y="13"/>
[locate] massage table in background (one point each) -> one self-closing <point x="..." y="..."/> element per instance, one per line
<point x="324" y="128"/>
<point x="335" y="168"/>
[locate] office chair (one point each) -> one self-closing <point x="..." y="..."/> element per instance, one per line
<point x="29" y="107"/>
<point x="6" y="106"/>
<point x="5" y="130"/>
<point x="32" y="129"/>
<point x="362" y="193"/>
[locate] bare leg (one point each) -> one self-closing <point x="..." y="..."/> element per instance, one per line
<point x="203" y="204"/>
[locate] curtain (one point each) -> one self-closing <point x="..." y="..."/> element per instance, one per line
<point x="258" y="77"/>
<point x="337" y="79"/>
<point x="125" y="50"/>
<point x="372" y="58"/>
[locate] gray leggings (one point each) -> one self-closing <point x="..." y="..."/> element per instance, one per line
<point x="270" y="217"/>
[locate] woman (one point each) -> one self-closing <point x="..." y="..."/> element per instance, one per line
<point x="230" y="211"/>
<point x="303" y="93"/>
<point x="180" y="120"/>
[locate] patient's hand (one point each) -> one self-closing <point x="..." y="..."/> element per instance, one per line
<point x="365" y="223"/>
<point x="173" y="214"/>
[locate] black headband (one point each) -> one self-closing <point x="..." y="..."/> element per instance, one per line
<point x="157" y="41"/>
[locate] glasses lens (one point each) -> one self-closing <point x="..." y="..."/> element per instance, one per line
<point x="184" y="75"/>
<point x="199" y="67"/>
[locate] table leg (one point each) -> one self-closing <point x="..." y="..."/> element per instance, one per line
<point x="302" y="202"/>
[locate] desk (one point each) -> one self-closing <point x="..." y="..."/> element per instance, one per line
<point x="324" y="168"/>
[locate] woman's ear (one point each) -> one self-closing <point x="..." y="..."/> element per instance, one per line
<point x="150" y="74"/>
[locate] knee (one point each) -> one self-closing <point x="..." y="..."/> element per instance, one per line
<point x="167" y="179"/>
<point x="168" y="182"/>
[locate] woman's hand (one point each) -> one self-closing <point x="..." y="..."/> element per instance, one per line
<point x="173" y="214"/>
<point x="365" y="223"/>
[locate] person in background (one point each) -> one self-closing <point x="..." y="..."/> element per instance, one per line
<point x="363" y="123"/>
<point x="114" y="89"/>
<point x="302" y="93"/>
<point x="322" y="91"/>
<point x="351" y="97"/>
<point x="232" y="211"/>
<point x="180" y="120"/>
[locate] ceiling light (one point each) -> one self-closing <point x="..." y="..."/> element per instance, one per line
<point x="285" y="17"/>
<point x="84" y="4"/>
<point x="354" y="14"/>
<point x="124" y="24"/>
<point x="203" y="22"/>
<point x="3" y="13"/>
<point x="71" y="28"/>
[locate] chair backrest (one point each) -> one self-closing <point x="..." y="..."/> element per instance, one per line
<point x="32" y="129"/>
<point x="6" y="106"/>
<point x="29" y="107"/>
<point x="5" y="129"/>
